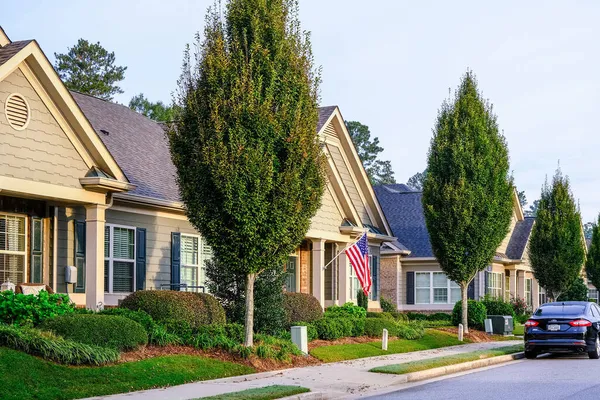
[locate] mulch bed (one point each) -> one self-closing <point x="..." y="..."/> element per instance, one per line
<point x="260" y="364"/>
<point x="474" y="336"/>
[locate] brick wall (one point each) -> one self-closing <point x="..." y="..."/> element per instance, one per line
<point x="305" y="278"/>
<point x="390" y="277"/>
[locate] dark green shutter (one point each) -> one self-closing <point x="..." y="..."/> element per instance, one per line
<point x="80" y="256"/>
<point x="140" y="259"/>
<point x="471" y="290"/>
<point x="37" y="250"/>
<point x="486" y="289"/>
<point x="175" y="260"/>
<point x="375" y="278"/>
<point x="410" y="287"/>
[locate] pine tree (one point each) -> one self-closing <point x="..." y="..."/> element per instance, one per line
<point x="250" y="167"/>
<point x="556" y="246"/>
<point x="592" y="264"/>
<point x="467" y="194"/>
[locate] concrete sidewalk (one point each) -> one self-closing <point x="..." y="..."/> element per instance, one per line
<point x="327" y="381"/>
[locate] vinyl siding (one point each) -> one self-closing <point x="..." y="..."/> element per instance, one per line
<point x="65" y="254"/>
<point x="504" y="245"/>
<point x="42" y="152"/>
<point x="328" y="218"/>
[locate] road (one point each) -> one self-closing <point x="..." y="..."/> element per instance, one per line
<point x="546" y="378"/>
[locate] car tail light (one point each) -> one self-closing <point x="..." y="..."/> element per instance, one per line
<point x="531" y="323"/>
<point x="580" y="322"/>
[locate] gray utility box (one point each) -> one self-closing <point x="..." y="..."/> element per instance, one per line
<point x="502" y="324"/>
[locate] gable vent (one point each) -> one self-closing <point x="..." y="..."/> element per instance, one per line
<point x="17" y="111"/>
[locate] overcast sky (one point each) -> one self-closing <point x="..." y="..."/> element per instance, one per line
<point x="389" y="64"/>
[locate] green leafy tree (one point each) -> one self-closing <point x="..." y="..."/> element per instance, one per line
<point x="556" y="247"/>
<point x="522" y="198"/>
<point x="578" y="291"/>
<point x="592" y="263"/>
<point x="416" y="181"/>
<point x="157" y="111"/>
<point x="533" y="209"/>
<point x="250" y="167"/>
<point x="379" y="171"/>
<point x="89" y="68"/>
<point x="467" y="196"/>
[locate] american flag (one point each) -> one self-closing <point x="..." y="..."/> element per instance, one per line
<point x="358" y="254"/>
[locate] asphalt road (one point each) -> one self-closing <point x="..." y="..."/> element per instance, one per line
<point x="545" y="378"/>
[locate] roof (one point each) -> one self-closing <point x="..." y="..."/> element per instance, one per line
<point x="404" y="211"/>
<point x="8" y="51"/>
<point x="518" y="239"/>
<point x="324" y="114"/>
<point x="138" y="144"/>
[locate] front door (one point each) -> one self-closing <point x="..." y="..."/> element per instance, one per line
<point x="290" y="274"/>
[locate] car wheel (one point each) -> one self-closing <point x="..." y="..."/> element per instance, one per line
<point x="595" y="354"/>
<point x="530" y="355"/>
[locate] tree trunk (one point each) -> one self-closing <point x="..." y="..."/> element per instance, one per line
<point x="249" y="340"/>
<point x="465" y="307"/>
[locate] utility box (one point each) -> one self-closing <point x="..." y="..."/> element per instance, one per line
<point x="502" y="324"/>
<point x="300" y="338"/>
<point x="70" y="274"/>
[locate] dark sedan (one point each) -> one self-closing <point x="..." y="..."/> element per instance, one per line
<point x="570" y="326"/>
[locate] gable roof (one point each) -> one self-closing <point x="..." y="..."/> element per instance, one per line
<point x="7" y="52"/>
<point x="518" y="239"/>
<point x="324" y="115"/>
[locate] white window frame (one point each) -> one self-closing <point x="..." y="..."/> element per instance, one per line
<point x="529" y="293"/>
<point x="197" y="265"/>
<point x="26" y="245"/>
<point x="111" y="258"/>
<point x="542" y="298"/>
<point x="449" y="286"/>
<point x="354" y="284"/>
<point x="593" y="291"/>
<point x="495" y="284"/>
<point x="506" y="287"/>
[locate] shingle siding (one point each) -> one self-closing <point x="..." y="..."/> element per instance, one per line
<point x="328" y="218"/>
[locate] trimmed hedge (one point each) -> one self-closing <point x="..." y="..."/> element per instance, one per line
<point x="411" y="330"/>
<point x="196" y="309"/>
<point x="28" y="310"/>
<point x="496" y="306"/>
<point x="332" y="328"/>
<point x="476" y="314"/>
<point x="301" y="307"/>
<point x="109" y="331"/>
<point x="374" y="327"/>
<point x="141" y="317"/>
<point x="347" y="310"/>
<point x="55" y="348"/>
<point x="439" y="316"/>
<point x="414" y="316"/>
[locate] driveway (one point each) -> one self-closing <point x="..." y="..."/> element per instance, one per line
<point x="546" y="378"/>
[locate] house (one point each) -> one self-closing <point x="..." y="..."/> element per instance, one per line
<point x="88" y="183"/>
<point x="411" y="275"/>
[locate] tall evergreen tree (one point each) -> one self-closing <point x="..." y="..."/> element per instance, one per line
<point x="592" y="263"/>
<point x="250" y="167"/>
<point x="379" y="171"/>
<point x="467" y="195"/>
<point x="89" y="68"/>
<point x="556" y="246"/>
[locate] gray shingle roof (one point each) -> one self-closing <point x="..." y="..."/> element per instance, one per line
<point x="324" y="113"/>
<point x="138" y="144"/>
<point x="518" y="240"/>
<point x="7" y="52"/>
<point x="404" y="212"/>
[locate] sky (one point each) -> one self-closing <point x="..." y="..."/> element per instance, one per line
<point x="389" y="64"/>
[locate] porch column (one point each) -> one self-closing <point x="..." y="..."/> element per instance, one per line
<point x="344" y="278"/>
<point x="94" y="255"/>
<point x="318" y="273"/>
<point x="535" y="292"/>
<point x="521" y="285"/>
<point x="513" y="283"/>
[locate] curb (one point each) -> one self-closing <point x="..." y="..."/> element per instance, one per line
<point x="452" y="369"/>
<point x="310" y="396"/>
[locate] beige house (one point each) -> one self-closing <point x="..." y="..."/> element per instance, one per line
<point x="411" y="276"/>
<point x="88" y="183"/>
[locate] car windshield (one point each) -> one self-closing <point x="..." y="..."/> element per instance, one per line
<point x="560" y="310"/>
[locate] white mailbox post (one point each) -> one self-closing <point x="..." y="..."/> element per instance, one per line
<point x="300" y="338"/>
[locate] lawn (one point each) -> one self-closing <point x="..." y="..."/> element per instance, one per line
<point x="430" y="363"/>
<point x="265" y="393"/>
<point x="433" y="339"/>
<point x="26" y="377"/>
<point x="518" y="329"/>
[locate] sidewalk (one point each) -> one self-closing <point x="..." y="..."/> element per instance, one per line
<point x="334" y="380"/>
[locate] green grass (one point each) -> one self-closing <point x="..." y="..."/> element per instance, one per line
<point x="432" y="340"/>
<point x="430" y="363"/>
<point x="519" y="329"/>
<point x="265" y="393"/>
<point x="26" y="377"/>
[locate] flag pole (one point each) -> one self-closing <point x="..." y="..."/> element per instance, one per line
<point x="344" y="249"/>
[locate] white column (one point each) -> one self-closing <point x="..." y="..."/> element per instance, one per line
<point x="94" y="255"/>
<point x="535" y="292"/>
<point x="521" y="285"/>
<point x="344" y="278"/>
<point x="513" y="283"/>
<point x="318" y="273"/>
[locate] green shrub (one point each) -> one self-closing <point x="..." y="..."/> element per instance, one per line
<point x="435" y="324"/>
<point x="301" y="307"/>
<point x="399" y="316"/>
<point x="31" y="310"/>
<point x="110" y="331"/>
<point x="358" y="326"/>
<point x="362" y="300"/>
<point x="234" y="332"/>
<point x="476" y="312"/>
<point x="374" y="327"/>
<point x="311" y="330"/>
<point x="54" y="348"/>
<point x="413" y="316"/>
<point x="160" y="336"/>
<point x="347" y="310"/>
<point x="519" y="305"/>
<point x="411" y="330"/>
<point x="522" y="318"/>
<point x="439" y="316"/>
<point x="387" y="305"/>
<point x="329" y="328"/>
<point x="141" y="317"/>
<point x="384" y="315"/>
<point x="195" y="309"/>
<point x="497" y="306"/>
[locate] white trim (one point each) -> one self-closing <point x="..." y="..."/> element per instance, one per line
<point x="111" y="258"/>
<point x="17" y="95"/>
<point x="198" y="256"/>
<point x="55" y="249"/>
<point x="25" y="252"/>
<point x="153" y="213"/>
<point x="432" y="288"/>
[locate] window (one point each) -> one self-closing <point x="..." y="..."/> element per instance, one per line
<point x="354" y="283"/>
<point x="374" y="267"/>
<point x="435" y="288"/>
<point x="494" y="284"/>
<point x="12" y="248"/>
<point x="119" y="259"/>
<point x="507" y="288"/>
<point x="593" y="295"/>
<point x="541" y="294"/>
<point x="528" y="294"/>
